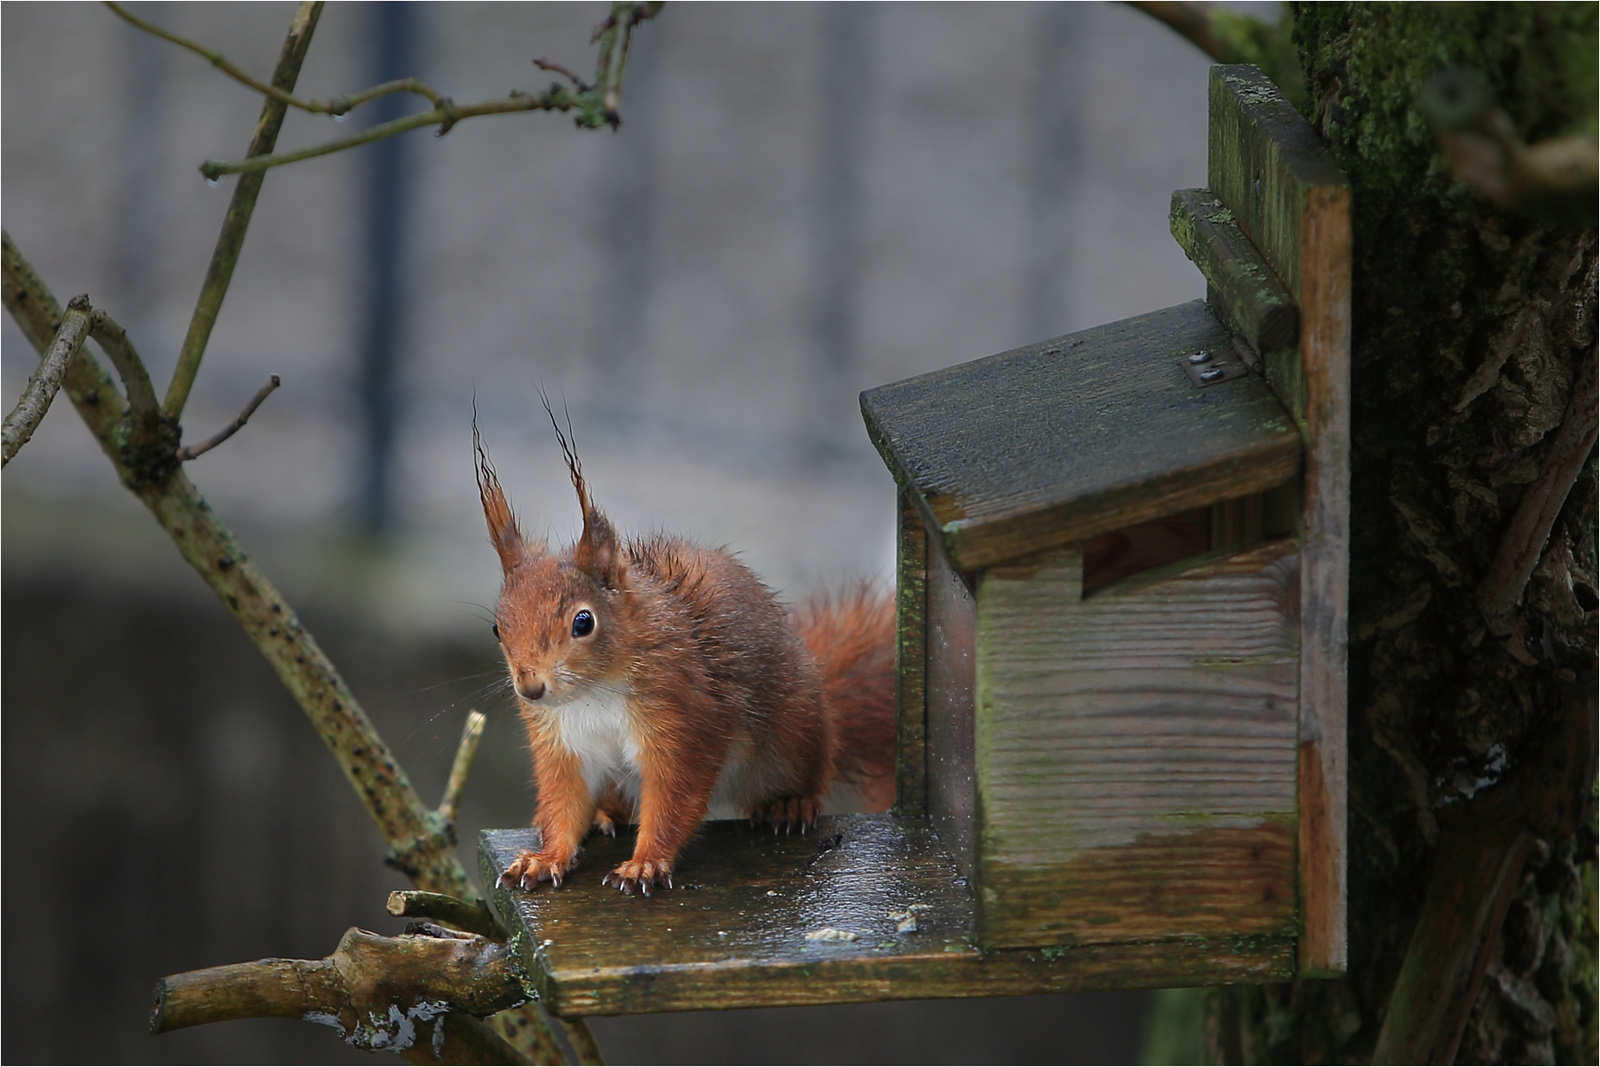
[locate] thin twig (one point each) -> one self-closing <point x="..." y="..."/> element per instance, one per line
<point x="556" y="98"/>
<point x="615" y="35"/>
<point x="338" y="105"/>
<point x="471" y="734"/>
<point x="114" y="342"/>
<point x="188" y="452"/>
<point x="226" y="254"/>
<point x="1191" y="21"/>
<point x="556" y="68"/>
<point x="473" y="916"/>
<point x="596" y="104"/>
<point x="46" y="379"/>
<point x="1231" y="37"/>
<point x="35" y="310"/>
<point x="1523" y="542"/>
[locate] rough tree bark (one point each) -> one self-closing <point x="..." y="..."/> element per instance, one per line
<point x="1471" y="738"/>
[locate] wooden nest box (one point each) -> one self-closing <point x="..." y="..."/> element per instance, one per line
<point x="1123" y="561"/>
<point x="1122" y="576"/>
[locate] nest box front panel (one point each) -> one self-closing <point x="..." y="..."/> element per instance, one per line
<point x="1135" y="750"/>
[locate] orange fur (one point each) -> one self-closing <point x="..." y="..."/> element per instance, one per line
<point x="655" y="677"/>
<point x="852" y="640"/>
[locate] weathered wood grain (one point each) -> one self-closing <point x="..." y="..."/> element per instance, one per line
<point x="1325" y="343"/>
<point x="732" y="933"/>
<point x="1053" y="443"/>
<point x="1269" y="168"/>
<point x="1220" y="878"/>
<point x="1135" y="749"/>
<point x="952" y="624"/>
<point x="911" y="652"/>
<point x="1244" y="288"/>
<point x="1264" y="161"/>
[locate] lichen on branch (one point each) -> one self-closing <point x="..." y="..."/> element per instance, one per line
<point x="46" y="379"/>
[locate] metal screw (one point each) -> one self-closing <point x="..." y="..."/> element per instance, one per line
<point x="1211" y="374"/>
<point x="1202" y="356"/>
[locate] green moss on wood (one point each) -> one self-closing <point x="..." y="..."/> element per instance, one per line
<point x="1468" y="325"/>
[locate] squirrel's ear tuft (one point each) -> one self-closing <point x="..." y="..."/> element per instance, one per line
<point x="503" y="532"/>
<point x="598" y="552"/>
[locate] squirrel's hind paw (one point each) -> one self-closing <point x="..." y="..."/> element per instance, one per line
<point x="789" y="813"/>
<point x="641" y="876"/>
<point x="531" y="868"/>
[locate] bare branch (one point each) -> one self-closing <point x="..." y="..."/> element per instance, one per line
<point x="226" y="254"/>
<point x="339" y="105"/>
<point x="1477" y="867"/>
<point x="1523" y="542"/>
<point x="1230" y="37"/>
<point x="420" y="845"/>
<point x="114" y="342"/>
<point x="471" y="734"/>
<point x="1556" y="179"/>
<point x="1191" y="21"/>
<point x="46" y="380"/>
<point x="390" y="994"/>
<point x="615" y="35"/>
<point x="188" y="452"/>
<point x="38" y="315"/>
<point x="556" y="68"/>
<point x="445" y="116"/>
<point x="473" y="916"/>
<point x="585" y="1048"/>
<point x="596" y="104"/>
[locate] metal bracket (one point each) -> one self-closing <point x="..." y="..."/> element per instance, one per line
<point x="1213" y="366"/>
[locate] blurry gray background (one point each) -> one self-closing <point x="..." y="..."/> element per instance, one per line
<point x="803" y="201"/>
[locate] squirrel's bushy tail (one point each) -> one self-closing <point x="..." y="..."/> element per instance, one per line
<point x="851" y="637"/>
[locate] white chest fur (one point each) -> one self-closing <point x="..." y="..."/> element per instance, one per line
<point x="594" y="728"/>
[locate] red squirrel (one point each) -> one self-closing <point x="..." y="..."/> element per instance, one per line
<point x="657" y="678"/>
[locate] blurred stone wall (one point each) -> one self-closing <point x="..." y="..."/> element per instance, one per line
<point x="803" y="201"/>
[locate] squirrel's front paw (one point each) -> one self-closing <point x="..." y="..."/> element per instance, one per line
<point x="643" y="876"/>
<point x="531" y="868"/>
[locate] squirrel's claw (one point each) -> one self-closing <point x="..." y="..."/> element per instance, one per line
<point x="641" y="875"/>
<point x="530" y="868"/>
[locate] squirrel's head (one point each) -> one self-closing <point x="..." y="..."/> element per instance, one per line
<point x="557" y="615"/>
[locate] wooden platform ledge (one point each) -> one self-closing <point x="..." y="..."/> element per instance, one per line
<point x="861" y="908"/>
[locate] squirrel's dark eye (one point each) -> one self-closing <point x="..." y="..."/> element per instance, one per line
<point x="582" y="624"/>
<point x="496" y="629"/>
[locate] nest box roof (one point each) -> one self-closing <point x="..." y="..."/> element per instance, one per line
<point x="1055" y="442"/>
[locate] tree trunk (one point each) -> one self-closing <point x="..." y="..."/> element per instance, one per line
<point x="1472" y="833"/>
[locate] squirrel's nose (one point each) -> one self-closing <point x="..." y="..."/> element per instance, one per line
<point x="529" y="687"/>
